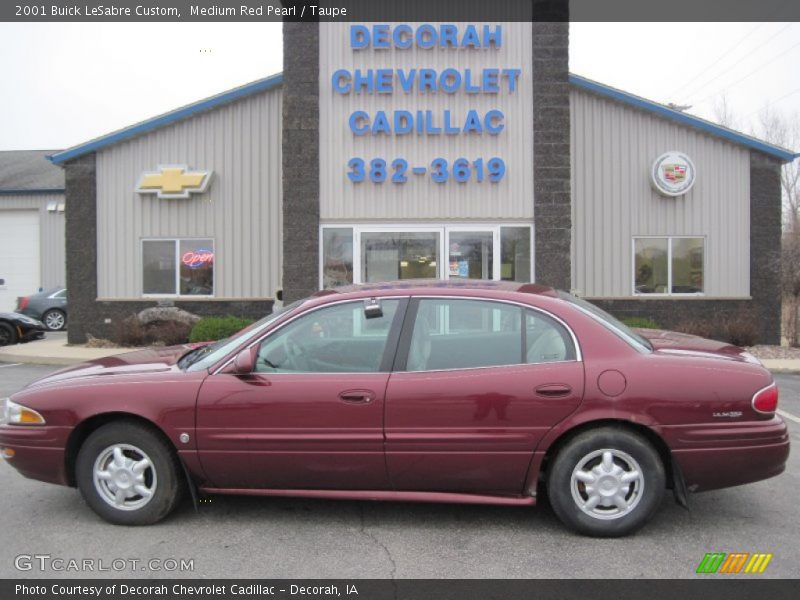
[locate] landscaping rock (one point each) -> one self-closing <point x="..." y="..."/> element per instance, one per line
<point x="158" y="314"/>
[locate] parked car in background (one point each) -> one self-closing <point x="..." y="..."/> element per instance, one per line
<point x="16" y="328"/>
<point x="460" y="391"/>
<point x="49" y="306"/>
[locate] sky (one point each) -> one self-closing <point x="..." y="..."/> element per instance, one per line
<point x="66" y="83"/>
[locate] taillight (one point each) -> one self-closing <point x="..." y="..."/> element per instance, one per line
<point x="766" y="400"/>
<point x="22" y="302"/>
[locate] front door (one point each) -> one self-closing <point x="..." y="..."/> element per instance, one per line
<point x="311" y="414"/>
<point x="482" y="383"/>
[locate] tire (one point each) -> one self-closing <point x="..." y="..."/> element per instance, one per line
<point x="54" y="319"/>
<point x="163" y="478"/>
<point x="581" y="475"/>
<point x="7" y="335"/>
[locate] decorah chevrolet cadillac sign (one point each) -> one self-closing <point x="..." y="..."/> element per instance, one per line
<point x="673" y="173"/>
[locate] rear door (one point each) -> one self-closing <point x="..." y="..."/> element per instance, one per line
<point x="311" y="414"/>
<point x="477" y="384"/>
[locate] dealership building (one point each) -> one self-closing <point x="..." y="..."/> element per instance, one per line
<point x="445" y="151"/>
<point x="31" y="225"/>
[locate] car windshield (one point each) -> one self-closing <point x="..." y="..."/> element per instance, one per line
<point x="639" y="342"/>
<point x="205" y="356"/>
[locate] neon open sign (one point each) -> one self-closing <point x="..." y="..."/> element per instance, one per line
<point x="197" y="259"/>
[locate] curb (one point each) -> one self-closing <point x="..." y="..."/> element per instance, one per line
<point x="57" y="361"/>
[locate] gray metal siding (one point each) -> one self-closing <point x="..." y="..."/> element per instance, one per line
<point x="421" y="198"/>
<point x="613" y="147"/>
<point x="52" y="256"/>
<point x="241" y="210"/>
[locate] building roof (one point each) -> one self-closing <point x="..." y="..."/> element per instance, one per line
<point x="273" y="81"/>
<point x="28" y="171"/>
<point x="168" y="118"/>
<point x="681" y="117"/>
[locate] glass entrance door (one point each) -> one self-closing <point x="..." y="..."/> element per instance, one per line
<point x="470" y="254"/>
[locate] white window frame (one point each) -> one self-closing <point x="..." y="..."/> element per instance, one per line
<point x="669" y="239"/>
<point x="443" y="229"/>
<point x="176" y="243"/>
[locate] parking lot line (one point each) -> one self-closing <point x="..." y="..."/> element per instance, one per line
<point x="10" y="365"/>
<point x="789" y="416"/>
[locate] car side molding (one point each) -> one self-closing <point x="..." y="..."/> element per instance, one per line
<point x="384" y="495"/>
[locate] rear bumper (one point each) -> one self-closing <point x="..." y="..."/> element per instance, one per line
<point x="720" y="456"/>
<point x="38" y="451"/>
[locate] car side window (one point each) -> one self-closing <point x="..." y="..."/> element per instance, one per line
<point x="335" y="339"/>
<point x="546" y="340"/>
<point x="463" y="334"/>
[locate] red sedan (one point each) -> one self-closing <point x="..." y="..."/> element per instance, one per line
<point x="480" y="392"/>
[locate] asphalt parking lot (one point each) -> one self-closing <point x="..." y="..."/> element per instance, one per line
<point x="288" y="538"/>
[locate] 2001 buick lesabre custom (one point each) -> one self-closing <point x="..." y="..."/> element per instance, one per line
<point x="480" y="392"/>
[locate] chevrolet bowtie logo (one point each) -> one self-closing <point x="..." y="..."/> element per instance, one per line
<point x="173" y="181"/>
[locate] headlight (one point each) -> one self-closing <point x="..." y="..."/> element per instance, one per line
<point x="16" y="414"/>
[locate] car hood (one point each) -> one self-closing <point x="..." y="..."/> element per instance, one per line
<point x="149" y="360"/>
<point x="673" y="342"/>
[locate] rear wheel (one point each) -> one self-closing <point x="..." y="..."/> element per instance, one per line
<point x="128" y="474"/>
<point x="54" y="319"/>
<point x="606" y="482"/>
<point x="7" y="335"/>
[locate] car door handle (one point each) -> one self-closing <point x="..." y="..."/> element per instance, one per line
<point x="357" y="396"/>
<point x="553" y="390"/>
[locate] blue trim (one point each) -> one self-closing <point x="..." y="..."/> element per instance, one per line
<point x="167" y="118"/>
<point x="10" y="191"/>
<point x="696" y="122"/>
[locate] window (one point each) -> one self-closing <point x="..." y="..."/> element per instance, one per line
<point x="335" y="339"/>
<point x="614" y="325"/>
<point x="464" y="334"/>
<point x="668" y="265"/>
<point x="369" y="253"/>
<point x="337" y="252"/>
<point x="178" y="267"/>
<point x="515" y="248"/>
<point x="388" y="256"/>
<point x="470" y="255"/>
<point x="546" y="340"/>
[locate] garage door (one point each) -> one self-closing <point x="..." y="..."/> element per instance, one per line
<point x="19" y="256"/>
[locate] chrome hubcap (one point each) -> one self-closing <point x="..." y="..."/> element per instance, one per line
<point x="607" y="484"/>
<point x="124" y="477"/>
<point x="54" y="320"/>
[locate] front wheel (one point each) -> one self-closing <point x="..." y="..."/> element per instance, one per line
<point x="128" y="474"/>
<point x="7" y="335"/>
<point x="606" y="482"/>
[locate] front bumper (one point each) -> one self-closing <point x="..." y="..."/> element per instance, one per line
<point x="31" y="334"/>
<point x="713" y="456"/>
<point x="39" y="451"/>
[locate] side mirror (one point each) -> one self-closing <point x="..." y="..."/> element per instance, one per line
<point x="245" y="361"/>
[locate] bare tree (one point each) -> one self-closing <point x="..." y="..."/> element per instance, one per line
<point x="784" y="131"/>
<point x="724" y="113"/>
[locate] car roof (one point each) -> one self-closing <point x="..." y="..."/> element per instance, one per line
<point x="425" y="285"/>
